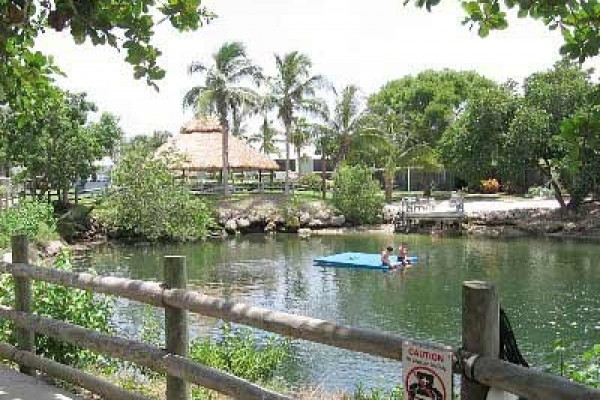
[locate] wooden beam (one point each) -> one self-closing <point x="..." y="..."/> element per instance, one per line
<point x="176" y="326"/>
<point x="527" y="382"/>
<point x="317" y="330"/>
<point x="480" y="330"/>
<point x="65" y="373"/>
<point x="142" y="354"/>
<point x="23" y="294"/>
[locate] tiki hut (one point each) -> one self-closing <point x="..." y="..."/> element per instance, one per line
<point x="200" y="142"/>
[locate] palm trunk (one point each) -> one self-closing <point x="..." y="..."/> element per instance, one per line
<point x="225" y="150"/>
<point x="298" y="151"/>
<point x="388" y="181"/>
<point x="323" y="173"/>
<point x="288" y="128"/>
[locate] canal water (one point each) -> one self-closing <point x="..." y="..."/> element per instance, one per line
<point x="550" y="290"/>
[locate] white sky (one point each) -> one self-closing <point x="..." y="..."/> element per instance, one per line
<point x="349" y="41"/>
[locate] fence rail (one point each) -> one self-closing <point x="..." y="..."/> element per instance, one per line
<point x="477" y="362"/>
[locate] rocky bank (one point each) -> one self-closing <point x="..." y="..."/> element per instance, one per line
<point x="536" y="222"/>
<point x="276" y="213"/>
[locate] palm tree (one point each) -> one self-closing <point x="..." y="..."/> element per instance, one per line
<point x="223" y="92"/>
<point x="335" y="136"/>
<point x="383" y="140"/>
<point x="301" y="136"/>
<point x="294" y="89"/>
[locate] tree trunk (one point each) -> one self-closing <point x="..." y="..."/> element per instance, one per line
<point x="323" y="173"/>
<point x="547" y="171"/>
<point x="298" y="151"/>
<point x="225" y="150"/>
<point x="288" y="128"/>
<point x="388" y="181"/>
<point x="65" y="195"/>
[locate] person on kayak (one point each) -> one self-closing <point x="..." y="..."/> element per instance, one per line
<point x="385" y="257"/>
<point x="403" y="254"/>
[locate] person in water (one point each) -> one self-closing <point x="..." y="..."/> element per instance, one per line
<point x="386" y="254"/>
<point x="403" y="254"/>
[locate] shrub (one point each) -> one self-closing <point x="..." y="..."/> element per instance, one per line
<point x="311" y="181"/>
<point x="150" y="203"/>
<point x="490" y="186"/>
<point x="239" y="353"/>
<point x="357" y="195"/>
<point x="540" y="191"/>
<point x="376" y="394"/>
<point x="30" y="217"/>
<point x="75" y="306"/>
<point x="586" y="370"/>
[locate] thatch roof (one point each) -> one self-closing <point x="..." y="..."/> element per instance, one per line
<point x="200" y="144"/>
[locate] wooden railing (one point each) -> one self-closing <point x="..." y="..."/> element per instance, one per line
<point x="476" y="361"/>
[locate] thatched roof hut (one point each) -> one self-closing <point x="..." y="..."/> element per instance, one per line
<point x="200" y="142"/>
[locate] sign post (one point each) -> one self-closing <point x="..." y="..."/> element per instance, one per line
<point x="427" y="372"/>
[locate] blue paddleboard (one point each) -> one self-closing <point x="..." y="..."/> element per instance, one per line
<point x="357" y="260"/>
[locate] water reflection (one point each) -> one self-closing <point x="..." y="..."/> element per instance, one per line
<point x="549" y="289"/>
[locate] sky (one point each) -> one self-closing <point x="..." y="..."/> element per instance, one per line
<point x="349" y="41"/>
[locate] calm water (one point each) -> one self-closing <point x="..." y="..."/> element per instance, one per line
<point x="550" y="290"/>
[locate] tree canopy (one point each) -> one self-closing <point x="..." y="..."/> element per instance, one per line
<point x="577" y="20"/>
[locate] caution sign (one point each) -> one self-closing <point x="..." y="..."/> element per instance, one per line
<point x="427" y="373"/>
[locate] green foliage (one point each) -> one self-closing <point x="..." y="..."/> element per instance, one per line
<point x="576" y="20"/>
<point x="55" y="144"/>
<point x="75" y="306"/>
<point x="30" y="217"/>
<point x="427" y="103"/>
<point x="127" y="26"/>
<point x="240" y="353"/>
<point x="376" y="394"/>
<point x="587" y="371"/>
<point x="310" y="181"/>
<point x="471" y="146"/>
<point x="540" y="191"/>
<point x="149" y="202"/>
<point x="357" y="195"/>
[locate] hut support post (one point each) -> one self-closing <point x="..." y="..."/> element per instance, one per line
<point x="480" y="330"/>
<point x="176" y="326"/>
<point x="23" y="294"/>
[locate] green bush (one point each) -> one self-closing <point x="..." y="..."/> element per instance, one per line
<point x="70" y="305"/>
<point x="376" y="394"/>
<point x="30" y="217"/>
<point x="150" y="203"/>
<point x="239" y="353"/>
<point x="311" y="181"/>
<point x="586" y="369"/>
<point x="357" y="195"/>
<point x="540" y="191"/>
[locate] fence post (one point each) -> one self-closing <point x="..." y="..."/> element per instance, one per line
<point x="176" y="325"/>
<point x="480" y="329"/>
<point x="23" y="291"/>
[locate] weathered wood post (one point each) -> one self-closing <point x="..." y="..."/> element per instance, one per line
<point x="176" y="326"/>
<point x="23" y="294"/>
<point x="480" y="329"/>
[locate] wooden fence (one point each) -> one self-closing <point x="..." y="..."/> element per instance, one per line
<point x="476" y="361"/>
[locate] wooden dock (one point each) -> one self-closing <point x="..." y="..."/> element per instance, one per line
<point x="429" y="221"/>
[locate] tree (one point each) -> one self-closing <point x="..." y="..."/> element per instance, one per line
<point x="301" y="136"/>
<point x="122" y="25"/>
<point x="267" y="134"/>
<point x="471" y="146"/>
<point x="56" y="145"/>
<point x="551" y="97"/>
<point x="578" y="21"/>
<point x="223" y="91"/>
<point x="294" y="89"/>
<point x="151" y="142"/>
<point x="429" y="101"/>
<point x="384" y="141"/>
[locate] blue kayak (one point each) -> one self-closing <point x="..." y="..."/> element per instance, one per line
<point x="357" y="260"/>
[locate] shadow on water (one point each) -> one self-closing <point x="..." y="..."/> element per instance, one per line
<point x="550" y="289"/>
